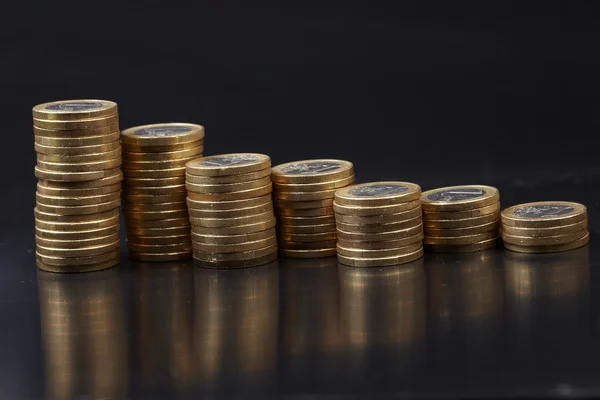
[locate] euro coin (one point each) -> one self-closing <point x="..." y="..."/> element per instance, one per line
<point x="368" y="211"/>
<point x="153" y="190"/>
<point x="228" y="205"/>
<point x="79" y="210"/>
<point x="459" y="198"/>
<point x="305" y="213"/>
<point x="62" y="176"/>
<point x="78" y="252"/>
<point x="172" y="181"/>
<point x="380" y="236"/>
<point x="162" y="134"/>
<point x="325" y="244"/>
<point x="154" y="199"/>
<point x="75" y="243"/>
<point x="228" y="164"/>
<point x="299" y="221"/>
<point x="53" y="217"/>
<point x="544" y="214"/>
<point x="214" y="180"/>
<point x="58" y="133"/>
<point x="549" y="248"/>
<point x="306" y="228"/>
<point x="235" y="248"/>
<point x="159" y="248"/>
<point x="154" y="208"/>
<point x="312" y="171"/>
<point x="241" y="212"/>
<point x="378" y="194"/>
<point x="158" y="240"/>
<point x="302" y="205"/>
<point x="232" y="196"/>
<point x="380" y="262"/>
<point x="243" y="255"/>
<point x="379" y="219"/>
<point x="304" y="196"/>
<point x="161" y="223"/>
<point x="463" y="248"/>
<point x="82" y="158"/>
<point x="307" y="237"/>
<point x="232" y="239"/>
<point x="228" y="187"/>
<point x="76" y="227"/>
<point x="235" y="230"/>
<point x="230" y="222"/>
<point x="456" y="240"/>
<point x="110" y="177"/>
<point x="163" y="155"/>
<point x="382" y="244"/>
<point x="314" y="187"/>
<point x="153" y="173"/>
<point x="155" y="215"/>
<point x="75" y="201"/>
<point x="82" y="141"/>
<point x="310" y="253"/>
<point x="153" y="232"/>
<point x="544" y="241"/>
<point x="77" y="150"/>
<point x="161" y="257"/>
<point x="376" y="228"/>
<point x="454" y="215"/>
<point x="78" y="268"/>
<point x="461" y="223"/>
<point x="472" y="230"/>
<point x="545" y="232"/>
<point x="77" y="261"/>
<point x="378" y="253"/>
<point x="91" y="123"/>
<point x="253" y="262"/>
<point x="65" y="235"/>
<point x="85" y="192"/>
<point x="75" y="110"/>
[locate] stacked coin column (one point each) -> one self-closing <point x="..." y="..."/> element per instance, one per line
<point x="460" y="219"/>
<point x="79" y="188"/>
<point x="379" y="224"/>
<point x="303" y="192"/>
<point x="545" y="227"/>
<point x="156" y="218"/>
<point x="231" y="210"/>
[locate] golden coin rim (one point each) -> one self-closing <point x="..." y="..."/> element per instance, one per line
<point x="109" y="108"/>
<point x="549" y="248"/>
<point x="381" y="262"/>
<point x="579" y="212"/>
<point x="491" y="196"/>
<point x="279" y="176"/>
<point x="263" y="162"/>
<point x="128" y="136"/>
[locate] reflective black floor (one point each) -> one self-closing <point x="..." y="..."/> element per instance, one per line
<point x="487" y="324"/>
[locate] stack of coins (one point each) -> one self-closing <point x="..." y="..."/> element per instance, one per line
<point x="379" y="224"/>
<point x="79" y="189"/>
<point x="545" y="227"/>
<point x="231" y="210"/>
<point x="303" y="193"/>
<point x="156" y="218"/>
<point x="461" y="219"/>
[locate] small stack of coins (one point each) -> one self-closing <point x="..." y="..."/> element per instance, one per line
<point x="379" y="224"/>
<point x="231" y="210"/>
<point x="461" y="219"/>
<point x="303" y="193"/>
<point x="79" y="189"/>
<point x="545" y="227"/>
<point x="156" y="218"/>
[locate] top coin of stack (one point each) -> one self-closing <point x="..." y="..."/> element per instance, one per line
<point x="545" y="227"/>
<point x="156" y="218"/>
<point x="460" y="219"/>
<point x="79" y="189"/>
<point x="303" y="193"/>
<point x="231" y="210"/>
<point x="379" y="224"/>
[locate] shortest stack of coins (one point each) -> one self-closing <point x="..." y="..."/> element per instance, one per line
<point x="79" y="189"/>
<point x="303" y="193"/>
<point x="461" y="219"/>
<point x="231" y="210"/>
<point x="156" y="218"/>
<point x="545" y="227"/>
<point x="379" y="224"/>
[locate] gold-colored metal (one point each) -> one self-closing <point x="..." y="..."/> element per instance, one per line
<point x="304" y="196"/>
<point x="79" y="167"/>
<point x="381" y="236"/>
<point x="81" y="144"/>
<point x="303" y="221"/>
<point x="360" y="211"/>
<point x="139" y="224"/>
<point x="232" y="196"/>
<point x="159" y="248"/>
<point x="375" y="194"/>
<point x="380" y="262"/>
<point x="233" y="222"/>
<point x="163" y="155"/>
<point x="313" y="187"/>
<point x="172" y="181"/>
<point x="235" y="230"/>
<point x="76" y="201"/>
<point x="80" y="158"/>
<point x="460" y="240"/>
<point x="162" y="134"/>
<point x="308" y="253"/>
<point x="153" y="173"/>
<point x="307" y="237"/>
<point x="312" y="171"/>
<point x="94" y="176"/>
<point x="161" y="257"/>
<point x="161" y="149"/>
<point x="377" y="228"/>
<point x="76" y="125"/>
<point x="461" y="223"/>
<point x="75" y="219"/>
<point x="77" y="252"/>
<point x="78" y="267"/>
<point x="325" y="244"/>
<point x="459" y="198"/>
<point x="77" y="150"/>
<point x="380" y="245"/>
<point x="235" y="248"/>
<point x="490" y="226"/>
<point x="215" y="180"/>
<point x="79" y="210"/>
<point x="253" y="262"/>
<point x="306" y="228"/>
<point x="70" y="110"/>
<point x="76" y="243"/>
<point x="219" y="240"/>
<point x="303" y="205"/>
<point x="77" y="227"/>
<point x="379" y="219"/>
<point x="155" y="165"/>
<point x="241" y="212"/>
<point x="156" y="215"/>
<point x="153" y="199"/>
<point x="460" y="215"/>
<point x="111" y="177"/>
<point x="154" y="232"/>
<point x="153" y="190"/>
<point x="304" y="213"/>
<point x="77" y="235"/>
<point x="544" y="241"/>
<point x="544" y="214"/>
<point x="228" y="164"/>
<point x="228" y="187"/>
<point x="228" y="205"/>
<point x="159" y="240"/>
<point x="85" y="192"/>
<point x="151" y="208"/>
<point x="463" y="248"/>
<point x="378" y="253"/>
<point x="61" y="261"/>
<point x="545" y="232"/>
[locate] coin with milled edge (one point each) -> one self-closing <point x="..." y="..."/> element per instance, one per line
<point x="454" y="215"/>
<point x="78" y="235"/>
<point x="376" y="228"/>
<point x="236" y="263"/>
<point x="378" y="253"/>
<point x="231" y="196"/>
<point x="75" y="243"/>
<point x="380" y="236"/>
<point x="80" y="158"/>
<point x="228" y="205"/>
<point x="312" y="171"/>
<point x="243" y="255"/>
<point x="544" y="241"/>
<point x="378" y="194"/>
<point x="313" y="187"/>
<point x="368" y="211"/>
<point x="75" y="110"/>
<point x="544" y="214"/>
<point x="379" y="219"/>
<point x="471" y="230"/>
<point x="158" y="240"/>
<point x="300" y="221"/>
<point x="380" y="262"/>
<point x="306" y="228"/>
<point x="456" y="240"/>
<point x="459" y="198"/>
<point x="232" y="239"/>
<point x="77" y="150"/>
<point x="308" y="253"/>
<point x="78" y="210"/>
<point x="304" y="213"/>
<point x="463" y="248"/>
<point x="549" y="248"/>
<point x="228" y="187"/>
<point x="163" y="155"/>
<point x="85" y="192"/>
<point x="545" y="232"/>
<point x="307" y="237"/>
<point x="229" y="222"/>
<point x="461" y="223"/>
<point x="235" y="230"/>
<point x="303" y="205"/>
<point x="214" y="180"/>
<point x="380" y="245"/>
<point x="153" y="191"/>
<point x="235" y="248"/>
<point x="242" y="212"/>
<point x="162" y="134"/>
<point x="69" y="125"/>
<point x="110" y="177"/>
<point x="160" y="257"/>
<point x="78" y="268"/>
<point x="304" y="196"/>
<point x="75" y="201"/>
<point x="324" y="244"/>
<point x="228" y="164"/>
<point x="153" y="173"/>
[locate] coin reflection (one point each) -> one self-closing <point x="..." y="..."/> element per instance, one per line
<point x="235" y="327"/>
<point x="83" y="334"/>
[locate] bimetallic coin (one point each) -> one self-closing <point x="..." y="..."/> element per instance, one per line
<point x="380" y="236"/>
<point x="215" y="180"/>
<point x="155" y="215"/>
<point x="470" y="239"/>
<point x="304" y="196"/>
<point x="380" y="262"/>
<point x="78" y="252"/>
<point x="62" y="176"/>
<point x="545" y="232"/>
<point x="325" y="244"/>
<point x="78" y="235"/>
<point x="463" y="248"/>
<point x="376" y="228"/>
<point x="228" y="187"/>
<point x="302" y="205"/>
<point x="77" y="150"/>
<point x="302" y="221"/>
<point x="243" y="255"/>
<point x="75" y="243"/>
<point x="310" y="253"/>
<point x="52" y="217"/>
<point x="378" y="194"/>
<point x="459" y="198"/>
<point x="472" y="230"/>
<point x="85" y="192"/>
<point x="77" y="261"/>
<point x="161" y="223"/>
<point x="154" y="165"/>
<point x="156" y="240"/>
<point x="228" y="205"/>
<point x="304" y="213"/>
<point x="228" y="164"/>
<point x="242" y="212"/>
<point x="314" y="187"/>
<point x="312" y="171"/>
<point x="232" y="196"/>
<point x="454" y="215"/>
<point x="162" y="134"/>
<point x="549" y="249"/>
<point x="360" y="211"/>
<point x="153" y="173"/>
<point x="378" y="253"/>
<point x="380" y="245"/>
<point x="78" y="210"/>
<point x="111" y="177"/>
<point x="75" y="110"/>
<point x="379" y="219"/>
<point x="235" y="248"/>
<point x="544" y="214"/>
<point x="160" y="182"/>
<point x="461" y="223"/>
<point x="306" y="228"/>
<point x="103" y="130"/>
<point x="230" y="222"/>
<point x="159" y="248"/>
<point x="234" y="230"/>
<point x="83" y="158"/>
<point x="236" y="263"/>
<point x="76" y="125"/>
<point x="232" y="239"/>
<point x="164" y="155"/>
<point x="75" y="201"/>
<point x="544" y="241"/>
<point x="153" y="191"/>
<point x="159" y="207"/>
<point x="78" y="268"/>
<point x="160" y="257"/>
<point x="307" y="237"/>
<point x="79" y="167"/>
<point x="154" y="199"/>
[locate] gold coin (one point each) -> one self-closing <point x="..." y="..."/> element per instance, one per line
<point x="228" y="164"/>
<point x="85" y="192"/>
<point x="544" y="214"/>
<point x="381" y="236"/>
<point x="312" y="171"/>
<point x="242" y="212"/>
<point x="68" y="110"/>
<point x="243" y="255"/>
<point x="79" y="252"/>
<point x="103" y="130"/>
<point x="160" y="257"/>
<point x="228" y="205"/>
<point x="73" y="176"/>
<point x="314" y="187"/>
<point x="311" y="253"/>
<point x="79" y="210"/>
<point x="67" y="219"/>
<point x="302" y="221"/>
<point x="545" y="232"/>
<point x="76" y="125"/>
<point x="459" y="198"/>
<point x="156" y="240"/>
<point x="378" y="194"/>
<point x="215" y="180"/>
<point x="304" y="196"/>
<point x="75" y="243"/>
<point x="154" y="165"/>
<point x="307" y="237"/>
<point x="378" y="253"/>
<point x="78" y="268"/>
<point x="306" y="228"/>
<point x="77" y="150"/>
<point x="231" y="222"/>
<point x="164" y="155"/>
<point x="235" y="230"/>
<point x="153" y="173"/>
<point x="380" y="262"/>
<point x="324" y="244"/>
<point x="155" y="215"/>
<point x="471" y="230"/>
<point x="374" y="211"/>
<point x="254" y="262"/>
<point x="543" y="241"/>
<point x="305" y="213"/>
<point x="463" y="248"/>
<point x="162" y="149"/>
<point x="379" y="219"/>
<point x="161" y="223"/>
<point x="551" y="248"/>
<point x="159" y="182"/>
<point x="232" y="196"/>
<point x="82" y="141"/>
<point x="454" y="215"/>
<point x="79" y="167"/>
<point x="461" y="223"/>
<point x="376" y="228"/>
<point x="153" y="191"/>
<point x="82" y="158"/>
<point x="138" y="207"/>
<point x="75" y="201"/>
<point x="235" y="248"/>
<point x="76" y="227"/>
<point x="162" y="134"/>
<point x="381" y="245"/>
<point x="78" y="235"/>
<point x="159" y="248"/>
<point x="228" y="187"/>
<point x="303" y="205"/>
<point x="457" y="240"/>
<point x="77" y="261"/>
<point x="232" y="239"/>
<point x="153" y="232"/>
<point x="111" y="177"/>
<point x="154" y="199"/>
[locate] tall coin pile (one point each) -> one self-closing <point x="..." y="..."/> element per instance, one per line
<point x="545" y="227"/>
<point x="231" y="210"/>
<point x="303" y="193"/>
<point x="79" y="188"/>
<point x="379" y="224"/>
<point x="461" y="219"/>
<point x="156" y="218"/>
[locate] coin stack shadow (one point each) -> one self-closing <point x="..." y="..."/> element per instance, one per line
<point x="79" y="188"/>
<point x="545" y="227"/>
<point x="379" y="224"/>
<point x="461" y="219"/>
<point x="231" y="210"/>
<point x="303" y="193"/>
<point x="154" y="192"/>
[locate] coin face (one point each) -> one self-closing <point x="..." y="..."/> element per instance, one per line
<point x="544" y="214"/>
<point x="459" y="198"/>
<point x="543" y="211"/>
<point x="378" y="193"/>
<point x="162" y="131"/>
<point x="458" y="194"/>
<point x="228" y="164"/>
<point x="72" y="106"/>
<point x="312" y="171"/>
<point x="74" y="109"/>
<point x="162" y="134"/>
<point x="378" y="190"/>
<point x="229" y="160"/>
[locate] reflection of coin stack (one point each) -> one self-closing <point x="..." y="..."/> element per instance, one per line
<point x="303" y="194"/>
<point x="79" y="189"/>
<point x="231" y="210"/>
<point x="545" y="227"/>
<point x="379" y="224"/>
<point x="461" y="218"/>
<point x="154" y="191"/>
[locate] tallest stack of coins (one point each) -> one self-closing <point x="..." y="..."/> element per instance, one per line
<point x="79" y="189"/>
